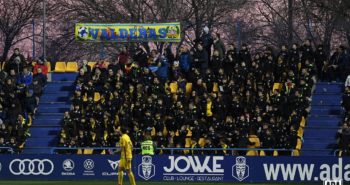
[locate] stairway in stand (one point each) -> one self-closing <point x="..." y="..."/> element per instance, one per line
<point x="324" y="120"/>
<point x="53" y="103"/>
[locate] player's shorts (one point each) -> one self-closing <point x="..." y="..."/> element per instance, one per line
<point x="125" y="164"/>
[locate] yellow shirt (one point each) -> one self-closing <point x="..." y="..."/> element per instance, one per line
<point x="209" y="111"/>
<point x="126" y="147"/>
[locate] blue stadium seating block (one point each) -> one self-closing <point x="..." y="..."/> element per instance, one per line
<point x="39" y="132"/>
<point x="325" y="110"/>
<point x="63" y="76"/>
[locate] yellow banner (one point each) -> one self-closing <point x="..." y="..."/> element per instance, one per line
<point x="160" y="32"/>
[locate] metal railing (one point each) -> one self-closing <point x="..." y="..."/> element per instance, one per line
<point x="9" y="149"/>
<point x="337" y="152"/>
<point x="172" y="150"/>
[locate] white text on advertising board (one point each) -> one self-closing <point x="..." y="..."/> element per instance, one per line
<point x="191" y="168"/>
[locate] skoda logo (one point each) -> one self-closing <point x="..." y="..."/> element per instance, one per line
<point x="68" y="165"/>
<point x="31" y="167"/>
<point x="89" y="164"/>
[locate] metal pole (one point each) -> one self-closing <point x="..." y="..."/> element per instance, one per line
<point x="309" y="23"/>
<point x="44" y="30"/>
<point x="33" y="56"/>
<point x="238" y="34"/>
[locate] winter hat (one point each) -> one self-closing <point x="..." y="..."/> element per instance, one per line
<point x="176" y="63"/>
<point x="206" y="29"/>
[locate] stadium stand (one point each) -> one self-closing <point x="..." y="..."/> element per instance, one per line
<point x="324" y="119"/>
<point x="21" y="84"/>
<point x="72" y="67"/>
<point x="343" y="134"/>
<point x="60" y="67"/>
<point x="236" y="101"/>
<point x="187" y="101"/>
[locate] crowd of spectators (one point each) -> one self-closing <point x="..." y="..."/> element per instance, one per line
<point x="212" y="95"/>
<point x="343" y="135"/>
<point x="21" y="84"/>
<point x="344" y="132"/>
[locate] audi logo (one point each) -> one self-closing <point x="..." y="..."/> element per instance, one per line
<point x="31" y="167"/>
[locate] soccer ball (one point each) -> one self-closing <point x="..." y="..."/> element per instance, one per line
<point x="83" y="32"/>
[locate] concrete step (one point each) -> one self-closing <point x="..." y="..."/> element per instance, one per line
<point x="59" y="87"/>
<point x="37" y="150"/>
<point x="326" y="99"/>
<point x="48" y="116"/>
<point x="317" y="145"/>
<point x="329" y="88"/>
<point x="40" y="142"/>
<point x="320" y="132"/>
<point x="326" y="110"/>
<point x="320" y="140"/>
<point x="44" y="132"/>
<point x="63" y="76"/>
<point x="48" y="122"/>
<point x="324" y="121"/>
<point x="54" y="110"/>
<point x="57" y="98"/>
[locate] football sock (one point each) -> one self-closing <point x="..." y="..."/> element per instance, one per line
<point x="120" y="177"/>
<point x="132" y="178"/>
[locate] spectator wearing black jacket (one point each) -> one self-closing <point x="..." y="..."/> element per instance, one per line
<point x="114" y="66"/>
<point x="344" y="139"/>
<point x="85" y="67"/>
<point x="268" y="141"/>
<point x="284" y="53"/>
<point x="242" y="101"/>
<point x="200" y="58"/>
<point x="13" y="145"/>
<point x="3" y="144"/>
<point x="294" y="58"/>
<point x="207" y="41"/>
<point x="307" y="52"/>
<point x="216" y="62"/>
<point x="346" y="99"/>
<point x="82" y="77"/>
<point x="140" y="57"/>
<point x="218" y="45"/>
<point x="338" y="64"/>
<point x="244" y="54"/>
<point x="320" y="60"/>
<point x="16" y="62"/>
<point x="231" y="59"/>
<point x="30" y="103"/>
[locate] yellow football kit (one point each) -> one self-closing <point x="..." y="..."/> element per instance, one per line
<point x="125" y="159"/>
<point x="126" y="154"/>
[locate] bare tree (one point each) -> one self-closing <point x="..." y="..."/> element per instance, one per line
<point x="327" y="17"/>
<point x="192" y="14"/>
<point x="211" y="13"/>
<point x="290" y="21"/>
<point x="15" y="16"/>
<point x="278" y="21"/>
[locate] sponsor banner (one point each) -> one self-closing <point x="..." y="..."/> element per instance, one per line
<point x="177" y="168"/>
<point x="160" y="32"/>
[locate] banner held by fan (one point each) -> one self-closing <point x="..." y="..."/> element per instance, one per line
<point x="157" y="32"/>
